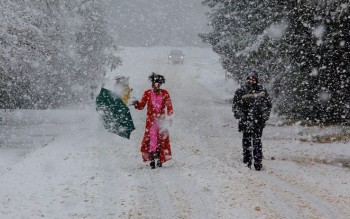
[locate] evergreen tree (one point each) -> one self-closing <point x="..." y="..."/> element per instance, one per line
<point x="300" y="47"/>
<point x="317" y="85"/>
<point x="244" y="35"/>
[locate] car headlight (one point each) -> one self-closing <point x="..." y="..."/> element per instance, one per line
<point x="169" y="56"/>
<point x="182" y="57"/>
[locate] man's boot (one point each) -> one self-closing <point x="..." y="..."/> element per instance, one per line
<point x="257" y="166"/>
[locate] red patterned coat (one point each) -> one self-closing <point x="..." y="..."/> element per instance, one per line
<point x="152" y="116"/>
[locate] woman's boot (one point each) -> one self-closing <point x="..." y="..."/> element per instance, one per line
<point x="153" y="163"/>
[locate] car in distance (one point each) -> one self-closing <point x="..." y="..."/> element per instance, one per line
<point x="176" y="56"/>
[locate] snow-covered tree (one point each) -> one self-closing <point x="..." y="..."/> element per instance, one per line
<point x="51" y="52"/>
<point x="317" y="42"/>
<point x="244" y="35"/>
<point x="300" y="47"/>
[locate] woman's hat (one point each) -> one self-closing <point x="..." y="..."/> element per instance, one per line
<point x="121" y="80"/>
<point x="156" y="78"/>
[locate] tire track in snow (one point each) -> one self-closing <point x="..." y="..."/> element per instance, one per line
<point x="318" y="199"/>
<point x="303" y="199"/>
<point x="192" y="197"/>
<point x="166" y="193"/>
<point x="176" y="199"/>
<point x="154" y="200"/>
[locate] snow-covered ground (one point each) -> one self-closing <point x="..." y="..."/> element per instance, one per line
<point x="63" y="164"/>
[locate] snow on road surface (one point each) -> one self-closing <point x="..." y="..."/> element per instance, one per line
<point x="85" y="172"/>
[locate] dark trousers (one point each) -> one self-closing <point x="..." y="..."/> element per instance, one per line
<point x="155" y="155"/>
<point x="252" y="143"/>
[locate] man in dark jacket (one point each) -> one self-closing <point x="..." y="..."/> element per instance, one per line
<point x="252" y="106"/>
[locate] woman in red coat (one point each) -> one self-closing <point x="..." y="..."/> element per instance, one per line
<point x="156" y="143"/>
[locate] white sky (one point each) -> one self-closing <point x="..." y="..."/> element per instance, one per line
<point x="157" y="22"/>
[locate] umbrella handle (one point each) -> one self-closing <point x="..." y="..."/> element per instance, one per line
<point x="135" y="101"/>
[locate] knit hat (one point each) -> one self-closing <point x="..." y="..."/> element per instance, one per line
<point x="253" y="74"/>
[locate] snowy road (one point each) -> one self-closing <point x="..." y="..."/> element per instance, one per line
<point x="88" y="173"/>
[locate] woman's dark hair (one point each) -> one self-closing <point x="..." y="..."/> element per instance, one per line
<point x="156" y="78"/>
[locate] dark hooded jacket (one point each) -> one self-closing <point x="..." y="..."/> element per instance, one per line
<point x="252" y="105"/>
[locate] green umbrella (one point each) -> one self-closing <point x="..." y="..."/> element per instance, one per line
<point x="115" y="114"/>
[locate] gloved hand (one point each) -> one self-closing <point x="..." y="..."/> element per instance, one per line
<point x="135" y="102"/>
